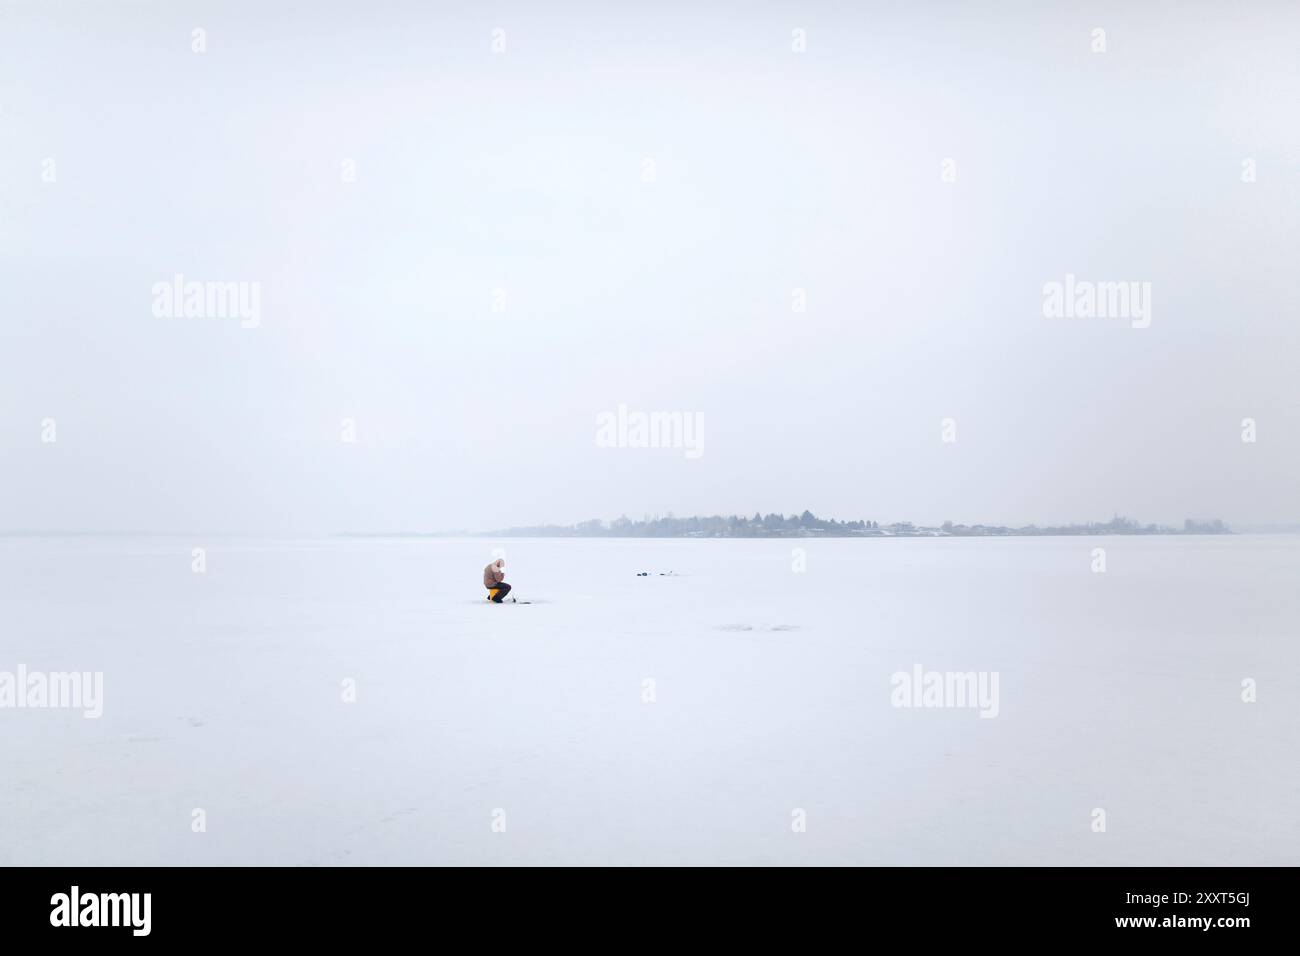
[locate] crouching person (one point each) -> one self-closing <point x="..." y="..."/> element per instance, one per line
<point x="494" y="579"/>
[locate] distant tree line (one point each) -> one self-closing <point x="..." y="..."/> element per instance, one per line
<point x="809" y="525"/>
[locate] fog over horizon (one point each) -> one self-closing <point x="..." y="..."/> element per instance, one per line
<point x="473" y="231"/>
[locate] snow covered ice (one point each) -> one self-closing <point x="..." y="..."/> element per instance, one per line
<point x="692" y="718"/>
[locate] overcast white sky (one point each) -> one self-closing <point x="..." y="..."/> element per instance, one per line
<point x="523" y="170"/>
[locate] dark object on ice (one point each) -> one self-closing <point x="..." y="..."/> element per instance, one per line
<point x="643" y="574"/>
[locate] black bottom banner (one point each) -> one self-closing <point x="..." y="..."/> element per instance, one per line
<point x="622" y="906"/>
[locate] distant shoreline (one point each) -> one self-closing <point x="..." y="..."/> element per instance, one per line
<point x="770" y="527"/>
<point x="796" y="535"/>
<point x="808" y="525"/>
<point x="191" y="536"/>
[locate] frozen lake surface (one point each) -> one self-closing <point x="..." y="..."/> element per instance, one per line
<point x="224" y="691"/>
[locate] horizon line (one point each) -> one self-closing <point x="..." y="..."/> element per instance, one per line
<point x="1254" y="527"/>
